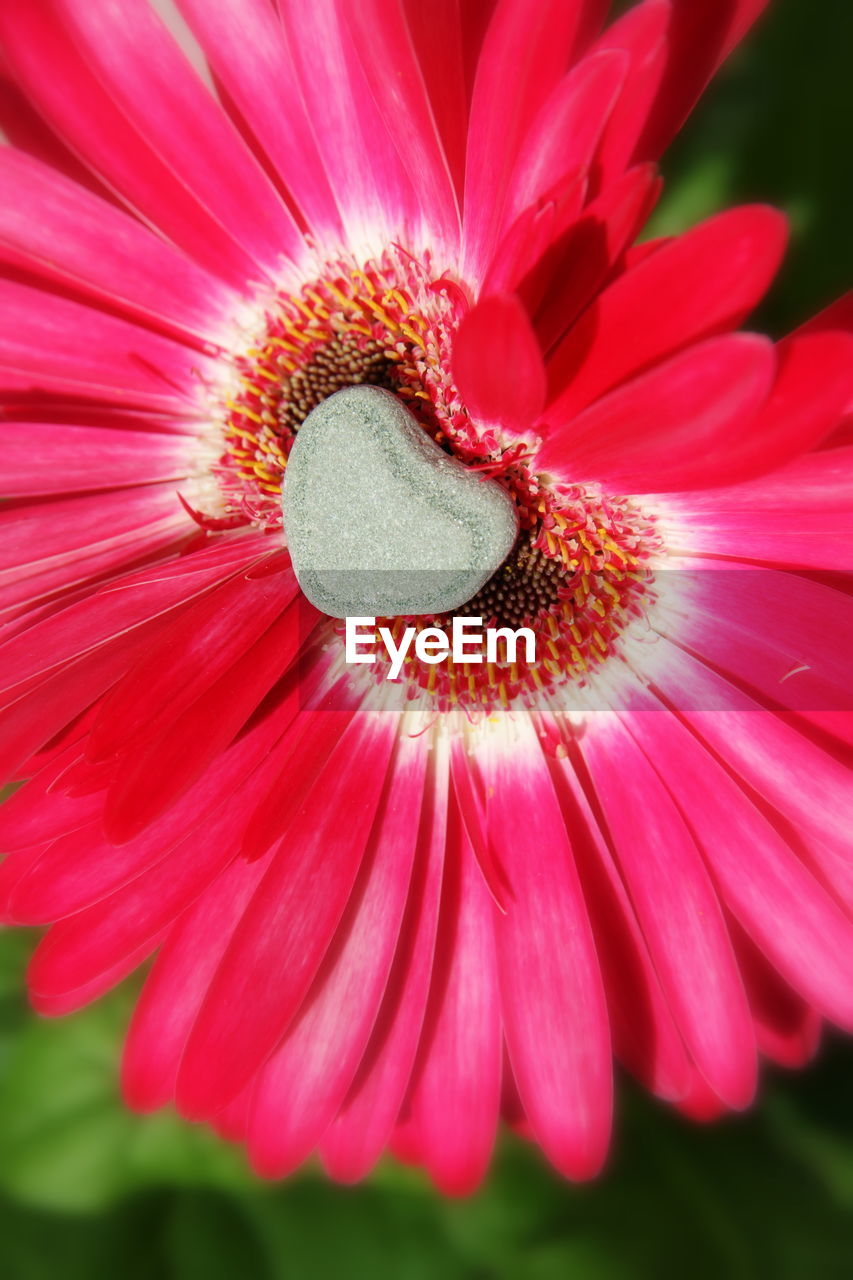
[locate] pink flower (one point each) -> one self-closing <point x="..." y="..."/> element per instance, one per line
<point x="377" y="923"/>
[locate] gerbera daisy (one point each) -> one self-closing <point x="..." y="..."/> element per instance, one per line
<point x="386" y="913"/>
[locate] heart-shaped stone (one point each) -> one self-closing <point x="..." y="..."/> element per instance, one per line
<point x="380" y="520"/>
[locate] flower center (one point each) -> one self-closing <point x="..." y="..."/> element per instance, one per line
<point x="344" y="361"/>
<point x="387" y="323"/>
<point x="579" y="570"/>
<point x="576" y="577"/>
<point x="528" y="583"/>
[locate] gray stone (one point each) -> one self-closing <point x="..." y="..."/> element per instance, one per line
<point x="379" y="520"/>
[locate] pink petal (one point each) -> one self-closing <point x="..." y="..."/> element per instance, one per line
<point x="246" y="47"/>
<point x="87" y="953"/>
<point x="455" y="1095"/>
<point x="193" y="651"/>
<point x="152" y="777"/>
<point x="555" y="1015"/>
<point x="316" y="733"/>
<point x="47" y="458"/>
<point x="472" y="810"/>
<point x="53" y="547"/>
<point x="31" y="532"/>
<point x="31" y="592"/>
<point x="808" y="786"/>
<point x="129" y="922"/>
<point x="700" y="1104"/>
<point x="288" y="926"/>
<point x="26" y="131"/>
<point x="779" y="904"/>
<point x="145" y="73"/>
<point x="54" y="1004"/>
<point x="355" y="1140"/>
<point x="83" y="867"/>
<point x="36" y="716"/>
<point x="362" y="166"/>
<point x="380" y="33"/>
<point x="814" y="387"/>
<point x="590" y="22"/>
<point x="779" y="633"/>
<point x="565" y="132"/>
<point x="436" y="31"/>
<point x="678" y="910"/>
<point x="54" y="670"/>
<point x="93" y="354"/>
<point x="524" y="260"/>
<point x="524" y="54"/>
<point x="54" y="227"/>
<point x="114" y="610"/>
<point x="474" y="19"/>
<point x="786" y="1028"/>
<point x="798" y="517"/>
<point x="305" y="1082"/>
<point x="645" y="1037"/>
<point x="640" y="34"/>
<point x="178" y="983"/>
<point x="47" y="61"/>
<point x="38" y="813"/>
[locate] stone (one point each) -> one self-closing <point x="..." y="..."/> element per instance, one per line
<point x="379" y="520"/>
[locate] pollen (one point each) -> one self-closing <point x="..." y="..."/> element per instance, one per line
<point x="387" y="323"/>
<point x="527" y="584"/>
<point x="345" y="361"/>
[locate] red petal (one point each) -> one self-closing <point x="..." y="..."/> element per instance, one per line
<point x="580" y="263"/>
<point x="498" y="365"/>
<point x="680" y="426"/>
<point x="525" y="52"/>
<point x="703" y="282"/>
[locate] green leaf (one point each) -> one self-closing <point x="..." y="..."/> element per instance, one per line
<point x="66" y="1139"/>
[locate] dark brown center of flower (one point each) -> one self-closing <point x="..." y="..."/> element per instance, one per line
<point x="528" y="583"/>
<point x="344" y="361"/>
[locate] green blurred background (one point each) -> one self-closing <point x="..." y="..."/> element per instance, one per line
<point x="88" y="1191"/>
